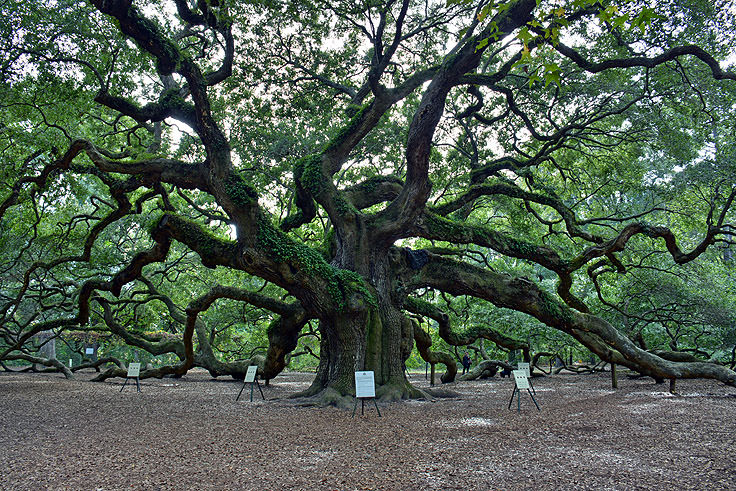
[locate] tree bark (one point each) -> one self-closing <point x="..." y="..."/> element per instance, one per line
<point x="424" y="342"/>
<point x="614" y="376"/>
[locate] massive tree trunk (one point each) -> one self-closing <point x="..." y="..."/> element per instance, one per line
<point x="379" y="340"/>
<point x="376" y="337"/>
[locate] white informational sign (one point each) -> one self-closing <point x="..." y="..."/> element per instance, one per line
<point x="365" y="385"/>
<point x="250" y="375"/>
<point x="70" y="362"/>
<point x="89" y="351"/>
<point x="134" y="369"/>
<point x="521" y="379"/>
<point x="525" y="367"/>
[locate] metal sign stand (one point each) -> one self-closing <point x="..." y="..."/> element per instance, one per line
<point x="365" y="388"/>
<point x="134" y="371"/>
<point x="362" y="405"/>
<point x="250" y="377"/>
<point x="255" y="382"/>
<point x="521" y="381"/>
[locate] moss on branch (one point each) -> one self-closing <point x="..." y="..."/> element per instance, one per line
<point x="212" y="250"/>
<point x="341" y="284"/>
<point x="344" y="132"/>
<point x="441" y="228"/>
<point x="308" y="171"/>
<point x="172" y="99"/>
<point x="240" y="192"/>
<point x="446" y="229"/>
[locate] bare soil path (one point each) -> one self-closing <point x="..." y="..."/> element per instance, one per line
<point x="191" y="434"/>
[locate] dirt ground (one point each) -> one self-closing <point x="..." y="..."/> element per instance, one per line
<point x="191" y="434"/>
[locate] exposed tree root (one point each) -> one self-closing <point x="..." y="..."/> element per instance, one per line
<point x="326" y="397"/>
<point x="443" y="393"/>
<point x="28" y="368"/>
<point x="384" y="393"/>
<point x="399" y="391"/>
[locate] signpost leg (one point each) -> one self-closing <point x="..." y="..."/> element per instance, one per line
<point x="137" y="383"/>
<point x="518" y="401"/>
<point x="251" y="378"/>
<point x="379" y="411"/>
<point x="241" y="391"/>
<point x="533" y="399"/>
<point x="512" y="396"/>
<point x="355" y="407"/>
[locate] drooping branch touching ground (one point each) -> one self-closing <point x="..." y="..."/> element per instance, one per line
<point x="169" y="344"/>
<point x="48" y="362"/>
<point x="424" y="342"/>
<point x="594" y="332"/>
<point x="98" y="363"/>
<point x="282" y="333"/>
<point x="489" y="367"/>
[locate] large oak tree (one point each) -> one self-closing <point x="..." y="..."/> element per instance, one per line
<point x="356" y="155"/>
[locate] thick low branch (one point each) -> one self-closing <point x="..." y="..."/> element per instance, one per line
<point x="98" y="363"/>
<point x="47" y="362"/>
<point x="523" y="295"/>
<point x="424" y="342"/>
<point x="486" y="366"/>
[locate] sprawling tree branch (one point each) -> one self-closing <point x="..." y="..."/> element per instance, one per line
<point x="641" y="61"/>
<point x="469" y="335"/>
<point x="424" y="342"/>
<point x="523" y="295"/>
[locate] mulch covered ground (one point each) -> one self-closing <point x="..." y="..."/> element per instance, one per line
<point x="191" y="434"/>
